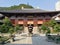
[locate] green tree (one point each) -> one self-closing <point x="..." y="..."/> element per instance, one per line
<point x="46" y="23"/>
<point x="48" y="30"/>
<point x="25" y="6"/>
<point x="4" y="28"/>
<point x="57" y="28"/>
<point x="7" y="21"/>
<point x="18" y="28"/>
<point x="6" y="25"/>
<point x="52" y="23"/>
<point x="16" y="7"/>
<point x="11" y="30"/>
<point x="44" y="28"/>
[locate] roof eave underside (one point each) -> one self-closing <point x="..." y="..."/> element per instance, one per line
<point x="30" y="12"/>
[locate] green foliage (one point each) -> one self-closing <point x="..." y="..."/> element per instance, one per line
<point x="48" y="31"/>
<point x="7" y="21"/>
<point x="17" y="27"/>
<point x="43" y="27"/>
<point x="57" y="28"/>
<point x="46" y="23"/>
<point x="11" y="30"/>
<point x="4" y="40"/>
<point x="6" y="26"/>
<point x="25" y="6"/>
<point x="52" y="23"/>
<point x="16" y="7"/>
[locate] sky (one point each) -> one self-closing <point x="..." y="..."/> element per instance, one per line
<point x="42" y="4"/>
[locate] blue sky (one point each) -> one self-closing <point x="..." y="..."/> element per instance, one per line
<point x="42" y="4"/>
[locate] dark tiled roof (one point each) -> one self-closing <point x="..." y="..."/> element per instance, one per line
<point x="28" y="11"/>
<point x="25" y="11"/>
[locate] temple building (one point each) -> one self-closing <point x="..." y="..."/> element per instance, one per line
<point x="36" y="17"/>
<point x="24" y="17"/>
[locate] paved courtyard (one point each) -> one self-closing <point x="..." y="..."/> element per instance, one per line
<point x="36" y="39"/>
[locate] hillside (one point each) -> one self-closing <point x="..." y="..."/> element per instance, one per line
<point x="16" y="7"/>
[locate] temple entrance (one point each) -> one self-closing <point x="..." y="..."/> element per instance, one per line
<point x="30" y="29"/>
<point x="35" y="28"/>
<point x="31" y="25"/>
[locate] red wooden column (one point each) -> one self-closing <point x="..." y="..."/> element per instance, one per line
<point x="25" y="22"/>
<point x="16" y="21"/>
<point x="44" y="20"/>
<point x="35" y="22"/>
<point x="12" y="21"/>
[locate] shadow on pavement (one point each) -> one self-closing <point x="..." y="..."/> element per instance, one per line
<point x="38" y="40"/>
<point x="41" y="40"/>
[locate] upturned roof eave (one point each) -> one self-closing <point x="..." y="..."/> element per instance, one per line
<point x="28" y="11"/>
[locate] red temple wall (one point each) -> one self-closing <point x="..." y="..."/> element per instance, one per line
<point x="23" y="22"/>
<point x="13" y="21"/>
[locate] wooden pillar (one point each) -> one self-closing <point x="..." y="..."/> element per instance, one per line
<point x="16" y="21"/>
<point x="35" y="22"/>
<point x="44" y="20"/>
<point x="25" y="22"/>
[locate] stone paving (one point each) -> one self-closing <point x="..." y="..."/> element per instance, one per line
<point x="23" y="40"/>
<point x="41" y="40"/>
<point x="36" y="39"/>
